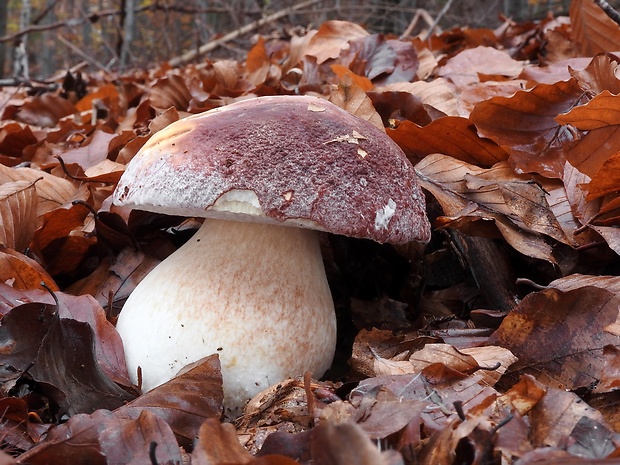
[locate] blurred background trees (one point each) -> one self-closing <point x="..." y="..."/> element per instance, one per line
<point x="116" y="35"/>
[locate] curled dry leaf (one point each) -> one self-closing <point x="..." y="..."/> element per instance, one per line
<point x="590" y="153"/>
<point x="599" y="112"/>
<point x="332" y="38"/>
<point x="555" y="416"/>
<point x="516" y="203"/>
<point x="466" y="67"/>
<point x="22" y="272"/>
<point x="52" y="191"/>
<point x="117" y="277"/>
<point x="67" y="370"/>
<point x="352" y="98"/>
<point x="170" y="91"/>
<point x="436" y="93"/>
<point x="217" y="443"/>
<point x="452" y="135"/>
<point x="104" y="438"/>
<point x="524" y="125"/>
<point x="91" y="152"/>
<point x="185" y="401"/>
<point x="18" y="213"/>
<point x="559" y="337"/>
<point x="44" y="110"/>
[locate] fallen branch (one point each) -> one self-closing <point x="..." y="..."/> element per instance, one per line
<point x="214" y="44"/>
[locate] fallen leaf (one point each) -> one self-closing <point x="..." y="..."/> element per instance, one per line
<point x="452" y="135"/>
<point x="559" y="337"/>
<point x="524" y="125"/>
<point x="18" y="210"/>
<point x="592" y="30"/>
<point x="332" y="38"/>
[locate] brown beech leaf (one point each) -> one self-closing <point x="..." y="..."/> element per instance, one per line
<point x="106" y="171"/>
<point x="21" y="333"/>
<point x="345" y="444"/>
<point x="556" y="71"/>
<point x="436" y="93"/>
<point x="352" y="98"/>
<point x="606" y="180"/>
<point x="579" y="281"/>
<point x="257" y="63"/>
<point x="524" y="395"/>
<point x="378" y="353"/>
<point x="555" y="416"/>
<point x="44" y="110"/>
<point x="599" y="112"/>
<point x="592" y="30"/>
<point x="67" y="362"/>
<point x="466" y="67"/>
<point x="382" y="61"/>
<point x="157" y="124"/>
<point x="185" y="401"/>
<point x="104" y="438"/>
<point x="524" y="125"/>
<point x="610" y="378"/>
<point x="611" y="235"/>
<point x="131" y="441"/>
<point x="106" y="341"/>
<point x="218" y="444"/>
<point x="52" y="191"/>
<point x="93" y="151"/>
<point x="19" y="433"/>
<point x="332" y="38"/>
<point x="398" y="106"/>
<point x="14" y="138"/>
<point x="344" y="74"/>
<point x="107" y="93"/>
<point x="598" y="76"/>
<point x="22" y="272"/>
<point x="590" y="153"/>
<point x="170" y="91"/>
<point x="18" y="213"/>
<point x="76" y="440"/>
<point x="118" y="277"/>
<point x="461" y="439"/>
<point x="451" y="135"/>
<point x="516" y="203"/>
<point x="559" y="337"/>
<point x="437" y="387"/>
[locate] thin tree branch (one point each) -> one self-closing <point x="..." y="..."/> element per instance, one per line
<point x="609" y="10"/>
<point x="441" y="14"/>
<point x="82" y="55"/>
<point x="212" y="45"/>
<point x="95" y="16"/>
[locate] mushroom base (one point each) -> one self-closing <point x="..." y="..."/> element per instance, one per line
<point x="256" y="294"/>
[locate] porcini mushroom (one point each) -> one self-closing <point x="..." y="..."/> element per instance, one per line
<point x="267" y="173"/>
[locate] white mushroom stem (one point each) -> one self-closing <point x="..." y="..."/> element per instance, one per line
<point x="254" y="293"/>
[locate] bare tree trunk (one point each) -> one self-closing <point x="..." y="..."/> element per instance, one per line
<point x="129" y="25"/>
<point x="48" y="53"/>
<point x="20" y="51"/>
<point x="4" y="7"/>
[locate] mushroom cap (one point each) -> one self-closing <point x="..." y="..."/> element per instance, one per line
<point x="293" y="160"/>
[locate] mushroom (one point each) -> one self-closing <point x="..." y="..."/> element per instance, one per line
<point x="267" y="174"/>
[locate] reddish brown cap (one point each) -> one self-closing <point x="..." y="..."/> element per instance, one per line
<point x="296" y="160"/>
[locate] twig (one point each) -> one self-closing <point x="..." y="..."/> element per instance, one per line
<point x="441" y="14"/>
<point x="82" y="55"/>
<point x="420" y="13"/>
<point x="95" y="16"/>
<point x="609" y="10"/>
<point x="212" y="45"/>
